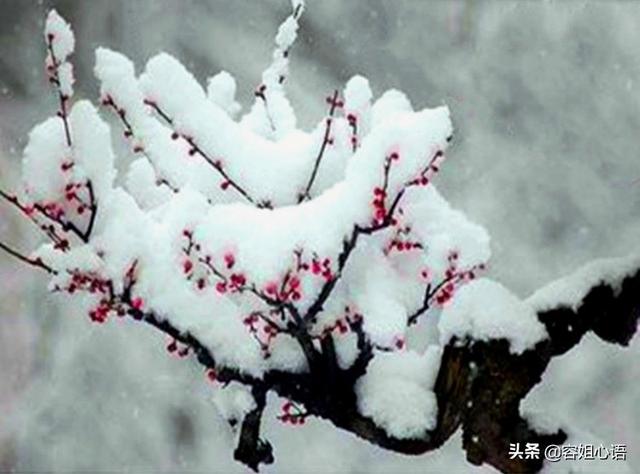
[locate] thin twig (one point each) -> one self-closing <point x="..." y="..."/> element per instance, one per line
<point x="196" y="149"/>
<point x="34" y="262"/>
<point x="55" y="79"/>
<point x="325" y="142"/>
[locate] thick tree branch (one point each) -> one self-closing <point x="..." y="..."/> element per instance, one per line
<point x="480" y="383"/>
<point x="479" y="386"/>
<point x="253" y="450"/>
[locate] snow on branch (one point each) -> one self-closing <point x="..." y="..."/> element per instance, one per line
<point x="272" y="115"/>
<point x="304" y="263"/>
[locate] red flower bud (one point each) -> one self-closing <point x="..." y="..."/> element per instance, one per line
<point x="212" y="375"/>
<point x="271" y="288"/>
<point x="137" y="303"/>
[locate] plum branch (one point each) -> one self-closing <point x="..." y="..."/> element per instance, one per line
<point x="215" y="164"/>
<point x="124" y="271"/>
<point x="54" y="77"/>
<point x="34" y="262"/>
<point x="326" y="140"/>
<point x="129" y="133"/>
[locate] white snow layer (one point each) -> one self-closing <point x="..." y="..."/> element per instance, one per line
<point x="485" y="310"/>
<point x="233" y="401"/>
<point x="397" y="392"/>
<point x="570" y="290"/>
<point x="59" y="33"/>
<point x="234" y="186"/>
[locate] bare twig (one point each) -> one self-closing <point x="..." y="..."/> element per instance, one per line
<point x="334" y="103"/>
<point x="34" y="262"/>
<point x="62" y="98"/>
<point x="216" y="164"/>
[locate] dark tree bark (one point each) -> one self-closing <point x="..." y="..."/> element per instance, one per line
<point x="479" y="386"/>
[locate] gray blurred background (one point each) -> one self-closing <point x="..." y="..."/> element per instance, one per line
<point x="544" y="96"/>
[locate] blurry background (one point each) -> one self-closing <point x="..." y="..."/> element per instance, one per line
<point x="545" y="98"/>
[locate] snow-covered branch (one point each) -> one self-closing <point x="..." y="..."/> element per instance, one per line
<point x="299" y="262"/>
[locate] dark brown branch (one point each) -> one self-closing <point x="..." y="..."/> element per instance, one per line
<point x="93" y="208"/>
<point x="260" y="91"/>
<point x="479" y="386"/>
<point x="253" y="450"/>
<point x="350" y="243"/>
<point x="55" y="79"/>
<point x="34" y="262"/>
<point x="48" y="230"/>
<point x="67" y="225"/>
<point x="334" y="103"/>
<point x="348" y="247"/>
<point x="429" y="293"/>
<point x="365" y="350"/>
<point x="217" y="165"/>
<point x="129" y="133"/>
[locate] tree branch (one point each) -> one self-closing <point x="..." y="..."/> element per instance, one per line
<point x="479" y="386"/>
<point x="34" y="262"/>
<point x="216" y="164"/>
<point x="326" y="140"/>
<point x="62" y="98"/>
<point x="253" y="450"/>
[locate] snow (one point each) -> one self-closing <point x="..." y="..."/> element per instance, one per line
<point x="65" y="74"/>
<point x="141" y="182"/>
<point x="58" y="31"/>
<point x="485" y="310"/>
<point x="287" y="33"/>
<point x="357" y="93"/>
<point x="376" y="290"/>
<point x="397" y="392"/>
<point x="233" y="401"/>
<point x="272" y="115"/>
<point x="221" y="90"/>
<point x="60" y="45"/>
<point x="200" y="174"/>
<point x="346" y="349"/>
<point x="571" y="290"/>
<point x="92" y="154"/>
<point x="517" y="228"/>
<point x="435" y="221"/>
<point x="173" y="186"/>
<point x="45" y="151"/>
<point x="169" y="158"/>
<point x="357" y="102"/>
<point x="390" y="103"/>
